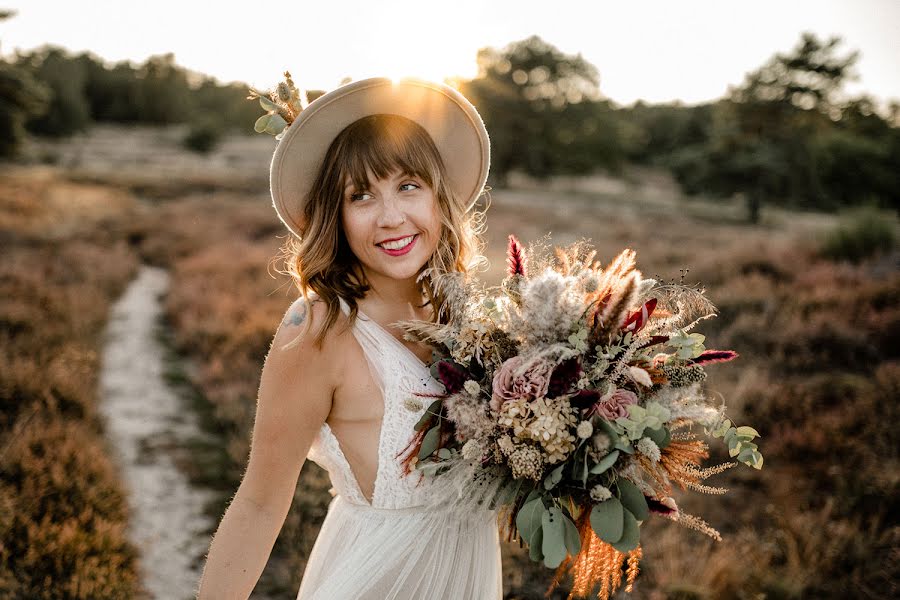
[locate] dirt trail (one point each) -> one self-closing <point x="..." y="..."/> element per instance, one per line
<point x="147" y="425"/>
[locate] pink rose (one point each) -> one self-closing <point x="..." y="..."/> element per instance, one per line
<point x="516" y="379"/>
<point x="615" y="406"/>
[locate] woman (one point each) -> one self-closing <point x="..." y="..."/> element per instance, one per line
<point x="375" y="180"/>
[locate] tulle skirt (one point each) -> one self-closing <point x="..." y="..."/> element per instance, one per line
<point x="366" y="553"/>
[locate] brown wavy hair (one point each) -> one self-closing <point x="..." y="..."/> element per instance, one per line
<point x="320" y="259"/>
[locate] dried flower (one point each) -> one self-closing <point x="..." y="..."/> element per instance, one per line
<point x="472" y="387"/>
<point x="599" y="493"/>
<point x="411" y="404"/>
<point x="584" y="430"/>
<point x="520" y="379"/>
<point x="526" y="461"/>
<point x="648" y="448"/>
<point x="614" y="405"/>
<point x="472" y="450"/>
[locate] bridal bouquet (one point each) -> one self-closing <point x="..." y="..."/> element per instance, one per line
<point x="574" y="398"/>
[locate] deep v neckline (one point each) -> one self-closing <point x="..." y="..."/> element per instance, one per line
<point x="381" y="328"/>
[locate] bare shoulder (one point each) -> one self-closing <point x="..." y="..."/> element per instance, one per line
<point x="295" y="338"/>
<point x="295" y="397"/>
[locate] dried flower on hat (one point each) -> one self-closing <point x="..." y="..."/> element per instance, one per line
<point x="282" y="104"/>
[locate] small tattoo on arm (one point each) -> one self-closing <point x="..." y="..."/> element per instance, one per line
<point x="297" y="314"/>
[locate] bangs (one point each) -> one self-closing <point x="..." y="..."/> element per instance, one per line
<point x="383" y="144"/>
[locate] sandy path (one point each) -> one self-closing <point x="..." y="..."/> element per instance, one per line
<point x="146" y="423"/>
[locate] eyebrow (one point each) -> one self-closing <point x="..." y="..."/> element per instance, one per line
<point x="401" y="175"/>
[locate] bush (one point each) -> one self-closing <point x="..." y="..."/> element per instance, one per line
<point x="202" y="137"/>
<point x="862" y="233"/>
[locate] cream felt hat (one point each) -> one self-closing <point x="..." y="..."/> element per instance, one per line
<point x="452" y="121"/>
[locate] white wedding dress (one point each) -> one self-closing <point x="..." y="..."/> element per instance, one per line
<point x="413" y="541"/>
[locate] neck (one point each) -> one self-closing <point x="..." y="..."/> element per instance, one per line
<point x="393" y="297"/>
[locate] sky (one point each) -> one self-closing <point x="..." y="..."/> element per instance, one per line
<point x="658" y="51"/>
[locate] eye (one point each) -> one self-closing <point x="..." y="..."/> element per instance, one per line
<point x="412" y="184"/>
<point x="355" y="197"/>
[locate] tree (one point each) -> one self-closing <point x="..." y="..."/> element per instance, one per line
<point x="541" y="107"/>
<point x="21" y="97"/>
<point x="772" y="139"/>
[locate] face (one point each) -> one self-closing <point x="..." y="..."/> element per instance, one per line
<point x="379" y="221"/>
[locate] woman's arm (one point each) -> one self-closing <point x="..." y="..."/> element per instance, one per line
<point x="295" y="393"/>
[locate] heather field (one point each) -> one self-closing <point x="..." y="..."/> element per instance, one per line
<point x="818" y="374"/>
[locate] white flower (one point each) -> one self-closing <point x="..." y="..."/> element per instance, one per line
<point x="584" y="430"/>
<point x="472" y="387"/>
<point x="640" y="376"/>
<point x="472" y="450"/>
<point x="648" y="448"/>
<point x="600" y="493"/>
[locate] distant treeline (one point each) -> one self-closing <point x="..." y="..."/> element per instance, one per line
<point x="787" y="135"/>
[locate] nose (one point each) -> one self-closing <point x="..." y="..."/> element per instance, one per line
<point x="391" y="214"/>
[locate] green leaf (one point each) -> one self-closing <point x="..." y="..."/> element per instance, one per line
<point x="529" y="518"/>
<point x="267" y="104"/>
<point x="262" y="123"/>
<point x="535" y="543"/>
<point x="553" y="477"/>
<point x="631" y="534"/>
<point x="607" y="520"/>
<point x="660" y="436"/>
<point x="757" y="460"/>
<point x="572" y="537"/>
<point x="633" y="499"/>
<point x="444" y="453"/>
<point x="535" y="493"/>
<point x="735" y="448"/>
<point x="726" y="425"/>
<point x="430" y="443"/>
<point x="429" y="414"/>
<point x="605" y="462"/>
<point x="745" y="430"/>
<point x="553" y="544"/>
<point x="276" y="124"/>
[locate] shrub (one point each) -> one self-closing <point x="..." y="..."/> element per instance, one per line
<point x="202" y="137"/>
<point x="862" y="233"/>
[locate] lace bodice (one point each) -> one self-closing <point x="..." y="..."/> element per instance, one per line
<point x="398" y="372"/>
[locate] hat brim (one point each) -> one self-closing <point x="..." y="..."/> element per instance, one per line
<point x="452" y="121"/>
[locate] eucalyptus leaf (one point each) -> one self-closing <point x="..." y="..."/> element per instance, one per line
<point x="624" y="445"/>
<point x="554" y="477"/>
<point x="267" y="104"/>
<point x="432" y="410"/>
<point x="261" y="124"/>
<point x="757" y="460"/>
<point x="605" y="462"/>
<point x="631" y="534"/>
<point x="444" y="453"/>
<point x="535" y="493"/>
<point x="275" y="124"/>
<point x="430" y="443"/>
<point x="535" y="544"/>
<point x="572" y="537"/>
<point x="745" y="430"/>
<point x="633" y="499"/>
<point x="529" y="518"/>
<point x="607" y="520"/>
<point x="553" y="544"/>
<point x="746" y="455"/>
<point x="660" y="436"/>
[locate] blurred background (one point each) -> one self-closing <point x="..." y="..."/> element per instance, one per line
<point x="750" y="148"/>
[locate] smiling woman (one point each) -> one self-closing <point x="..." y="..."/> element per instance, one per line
<point x="376" y="180"/>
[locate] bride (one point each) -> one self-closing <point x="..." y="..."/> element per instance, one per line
<point x="376" y="180"/>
